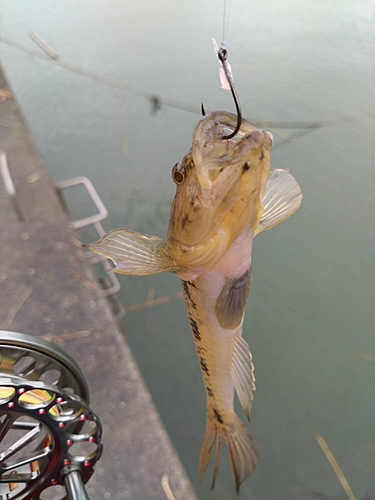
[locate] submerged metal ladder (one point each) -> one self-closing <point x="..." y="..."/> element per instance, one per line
<point x="92" y="220"/>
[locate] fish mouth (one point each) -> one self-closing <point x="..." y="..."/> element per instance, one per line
<point x="221" y="163"/>
<point x="215" y="187"/>
<point x="222" y="173"/>
<point x="205" y="197"/>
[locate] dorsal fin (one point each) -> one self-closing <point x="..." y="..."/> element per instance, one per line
<point x="242" y="372"/>
<point x="281" y="199"/>
<point x="135" y="253"/>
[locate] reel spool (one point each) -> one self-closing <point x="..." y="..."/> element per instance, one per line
<point x="50" y="439"/>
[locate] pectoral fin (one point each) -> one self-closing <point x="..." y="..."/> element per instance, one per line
<point x="242" y="372"/>
<point x="135" y="253"/>
<point x="231" y="302"/>
<point x="281" y="199"/>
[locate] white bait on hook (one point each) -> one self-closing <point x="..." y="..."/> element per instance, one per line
<point x="223" y="79"/>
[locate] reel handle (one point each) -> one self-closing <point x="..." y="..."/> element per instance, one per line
<point x="75" y="489"/>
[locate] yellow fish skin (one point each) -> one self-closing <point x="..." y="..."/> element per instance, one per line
<point x="221" y="193"/>
<point x="225" y="195"/>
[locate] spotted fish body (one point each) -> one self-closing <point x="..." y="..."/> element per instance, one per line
<point x="225" y="195"/>
<point x="215" y="305"/>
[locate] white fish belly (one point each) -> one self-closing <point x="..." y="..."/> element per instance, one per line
<point x="215" y="344"/>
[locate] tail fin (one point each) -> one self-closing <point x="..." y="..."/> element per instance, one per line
<point x="242" y="448"/>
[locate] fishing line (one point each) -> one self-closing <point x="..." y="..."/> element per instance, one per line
<point x="158" y="101"/>
<point x="226" y="14"/>
<point x="225" y="72"/>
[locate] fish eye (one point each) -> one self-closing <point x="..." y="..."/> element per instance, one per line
<point x="178" y="173"/>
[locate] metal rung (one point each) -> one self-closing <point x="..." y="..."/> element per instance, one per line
<point x="93" y="220"/>
<point x="94" y="259"/>
<point x="86" y="221"/>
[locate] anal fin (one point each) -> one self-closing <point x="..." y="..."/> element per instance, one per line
<point x="242" y="372"/>
<point x="135" y="253"/>
<point x="281" y="199"/>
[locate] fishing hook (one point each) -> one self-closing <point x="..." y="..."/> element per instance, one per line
<point x="222" y="55"/>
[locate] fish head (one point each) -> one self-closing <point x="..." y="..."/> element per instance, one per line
<point x="219" y="183"/>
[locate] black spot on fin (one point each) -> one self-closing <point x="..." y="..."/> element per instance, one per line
<point x="230" y="304"/>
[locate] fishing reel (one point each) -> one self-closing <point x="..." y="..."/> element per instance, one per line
<point x="50" y="439"/>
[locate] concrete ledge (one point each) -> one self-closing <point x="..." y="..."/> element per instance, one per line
<point x="47" y="289"/>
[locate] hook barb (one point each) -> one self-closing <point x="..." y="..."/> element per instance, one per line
<point x="222" y="55"/>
